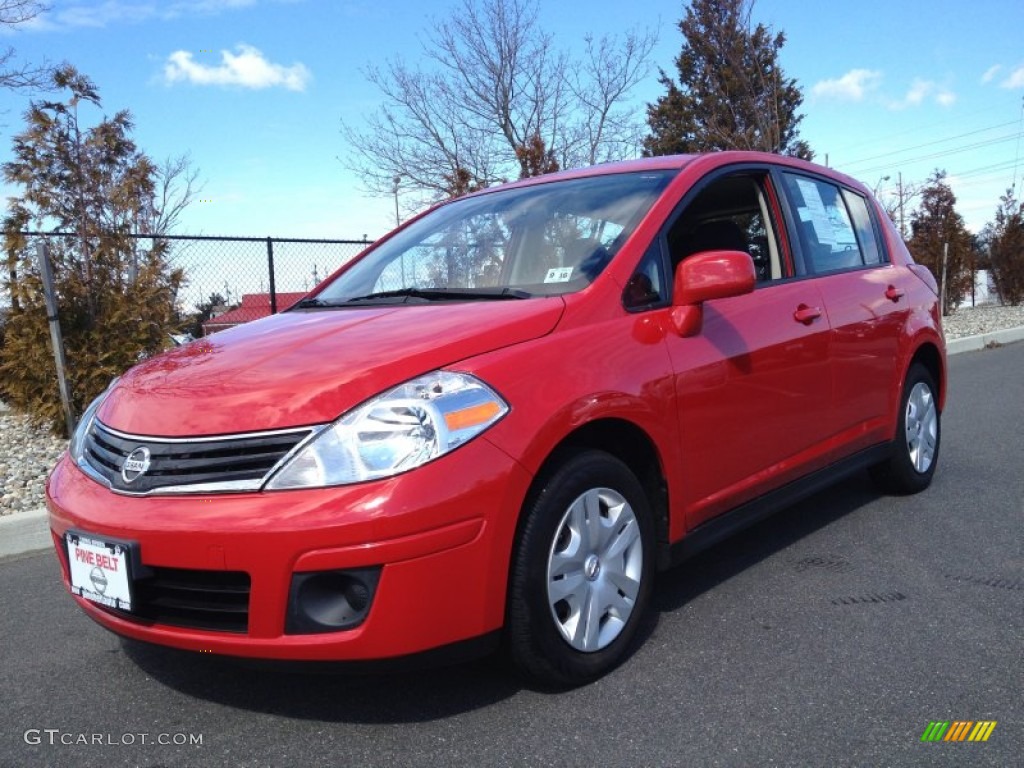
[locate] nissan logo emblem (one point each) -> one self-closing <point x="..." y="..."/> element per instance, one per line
<point x="135" y="465"/>
<point x="98" y="579"/>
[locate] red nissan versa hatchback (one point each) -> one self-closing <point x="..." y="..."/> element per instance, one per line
<point x="502" y="419"/>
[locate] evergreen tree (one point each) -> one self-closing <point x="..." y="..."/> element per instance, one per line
<point x="1006" y="249"/>
<point x="937" y="229"/>
<point x="731" y="92"/>
<point x="116" y="298"/>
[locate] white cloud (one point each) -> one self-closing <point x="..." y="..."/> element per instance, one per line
<point x="990" y="73"/>
<point x="920" y="91"/>
<point x="247" y="68"/>
<point x="76" y="14"/>
<point x="850" y="87"/>
<point x="101" y="14"/>
<point x="1015" y="79"/>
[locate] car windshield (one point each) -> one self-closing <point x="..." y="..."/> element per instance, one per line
<point x="546" y="239"/>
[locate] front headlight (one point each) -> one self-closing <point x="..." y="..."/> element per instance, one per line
<point x="76" y="446"/>
<point x="397" y="431"/>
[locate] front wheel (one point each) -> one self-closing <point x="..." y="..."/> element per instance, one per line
<point x="918" y="435"/>
<point x="582" y="571"/>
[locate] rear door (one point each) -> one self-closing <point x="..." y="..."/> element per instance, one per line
<point x="837" y="241"/>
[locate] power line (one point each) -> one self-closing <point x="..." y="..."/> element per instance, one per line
<point x="986" y="174"/>
<point x="929" y="144"/>
<point x="944" y="153"/>
<point x="915" y="130"/>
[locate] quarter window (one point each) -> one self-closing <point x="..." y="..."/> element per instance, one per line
<point x="647" y="287"/>
<point x="869" y="246"/>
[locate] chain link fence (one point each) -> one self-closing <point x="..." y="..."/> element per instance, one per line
<point x="270" y="272"/>
<point x="226" y="281"/>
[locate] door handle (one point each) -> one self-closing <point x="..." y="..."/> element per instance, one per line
<point x="892" y="293"/>
<point x="806" y="315"/>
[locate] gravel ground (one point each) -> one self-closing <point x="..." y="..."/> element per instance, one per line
<point x="27" y="453"/>
<point x="971" y="321"/>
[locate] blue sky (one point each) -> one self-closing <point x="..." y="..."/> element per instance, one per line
<point x="255" y="91"/>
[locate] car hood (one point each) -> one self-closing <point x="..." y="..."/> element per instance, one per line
<point x="309" y="367"/>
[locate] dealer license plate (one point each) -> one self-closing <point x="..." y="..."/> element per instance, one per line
<point x="100" y="570"/>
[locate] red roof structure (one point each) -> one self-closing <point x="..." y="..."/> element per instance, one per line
<point x="253" y="307"/>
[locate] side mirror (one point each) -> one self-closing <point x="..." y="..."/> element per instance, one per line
<point x="705" y="276"/>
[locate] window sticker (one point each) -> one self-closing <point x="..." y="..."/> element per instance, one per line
<point x="558" y="275"/>
<point x="815" y="212"/>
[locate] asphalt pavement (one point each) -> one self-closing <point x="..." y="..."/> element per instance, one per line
<point x="832" y="634"/>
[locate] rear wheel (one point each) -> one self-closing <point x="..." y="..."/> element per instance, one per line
<point x="918" y="435"/>
<point x="582" y="571"/>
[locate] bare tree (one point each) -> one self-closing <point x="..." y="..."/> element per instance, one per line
<point x="897" y="201"/>
<point x="12" y="73"/>
<point x="177" y="185"/>
<point x="600" y="85"/>
<point x="496" y="100"/>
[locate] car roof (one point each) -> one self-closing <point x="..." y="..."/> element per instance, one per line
<point x="700" y="163"/>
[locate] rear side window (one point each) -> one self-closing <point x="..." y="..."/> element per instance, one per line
<point x="825" y="229"/>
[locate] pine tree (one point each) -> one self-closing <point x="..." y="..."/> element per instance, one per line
<point x="116" y="298"/>
<point x="1006" y="249"/>
<point x="731" y="92"/>
<point x="937" y="229"/>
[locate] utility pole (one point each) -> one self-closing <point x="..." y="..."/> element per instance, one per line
<point x="942" y="293"/>
<point x="397" y="180"/>
<point x="974" y="278"/>
<point x="903" y="227"/>
<point x="50" y="298"/>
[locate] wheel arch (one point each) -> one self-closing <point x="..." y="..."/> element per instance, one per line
<point x="931" y="358"/>
<point x="631" y="445"/>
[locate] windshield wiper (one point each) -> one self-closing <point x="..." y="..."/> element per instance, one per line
<point x="310" y="302"/>
<point x="442" y="294"/>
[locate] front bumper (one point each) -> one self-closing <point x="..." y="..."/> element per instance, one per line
<point x="441" y="534"/>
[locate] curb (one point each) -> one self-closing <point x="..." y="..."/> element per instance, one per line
<point x="982" y="340"/>
<point x="29" y="531"/>
<point x="24" y="532"/>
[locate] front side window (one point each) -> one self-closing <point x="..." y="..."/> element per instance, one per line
<point x="731" y="213"/>
<point x="828" y="238"/>
<point x="540" y="240"/>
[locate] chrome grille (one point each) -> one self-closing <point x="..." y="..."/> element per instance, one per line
<point x="190" y="465"/>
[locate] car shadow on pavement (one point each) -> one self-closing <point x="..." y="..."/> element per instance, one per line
<point x="735" y="554"/>
<point x="320" y="693"/>
<point x="335" y="694"/>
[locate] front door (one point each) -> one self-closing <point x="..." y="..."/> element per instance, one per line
<point x="754" y="386"/>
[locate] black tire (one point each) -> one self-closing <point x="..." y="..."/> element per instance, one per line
<point x="915" y="453"/>
<point x="535" y="621"/>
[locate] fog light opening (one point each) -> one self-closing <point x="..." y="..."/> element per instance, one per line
<point x="330" y="601"/>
